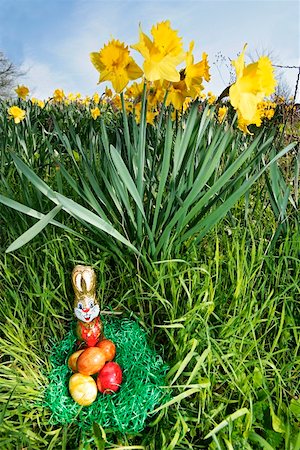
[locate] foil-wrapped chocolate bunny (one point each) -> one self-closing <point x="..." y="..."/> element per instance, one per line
<point x="86" y="308"/>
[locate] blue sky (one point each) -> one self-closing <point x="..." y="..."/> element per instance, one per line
<point x="52" y="39"/>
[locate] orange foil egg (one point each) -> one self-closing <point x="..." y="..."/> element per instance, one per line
<point x="108" y="348"/>
<point x="91" y="360"/>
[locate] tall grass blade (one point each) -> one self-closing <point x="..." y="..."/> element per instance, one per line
<point x="241" y="412"/>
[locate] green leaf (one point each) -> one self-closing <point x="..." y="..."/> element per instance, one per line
<point x="257" y="377"/>
<point x="70" y="206"/>
<point x="277" y="423"/>
<point x="182" y="140"/>
<point x="256" y="438"/>
<point x="34" y="179"/>
<point x="91" y="218"/>
<point x="165" y="169"/>
<point x="186" y="361"/>
<point x="214" y="217"/>
<point x="295" y="407"/>
<point x="99" y="436"/>
<point x="126" y="178"/>
<point x="29" y="211"/>
<point x="34" y="230"/>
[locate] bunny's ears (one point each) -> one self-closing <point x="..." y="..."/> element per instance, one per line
<point x="84" y="280"/>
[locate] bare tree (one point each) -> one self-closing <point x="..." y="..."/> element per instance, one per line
<point x="8" y="76"/>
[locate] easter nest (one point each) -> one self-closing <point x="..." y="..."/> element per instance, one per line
<point x="140" y="393"/>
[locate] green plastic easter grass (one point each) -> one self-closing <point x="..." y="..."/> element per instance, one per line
<point x="141" y="390"/>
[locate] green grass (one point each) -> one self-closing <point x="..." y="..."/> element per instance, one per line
<point x="221" y="307"/>
<point x="225" y="319"/>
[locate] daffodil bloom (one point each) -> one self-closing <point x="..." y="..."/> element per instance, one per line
<point x="116" y="65"/>
<point x="194" y="73"/>
<point x="71" y="97"/>
<point x="36" y="101"/>
<point x="96" y="98"/>
<point x="157" y="92"/>
<point x="95" y="112"/>
<point x="186" y="104"/>
<point x="163" y="54"/>
<point x="135" y="91"/>
<point x="86" y="101"/>
<point x="116" y="102"/>
<point x="108" y="92"/>
<point x="22" y="92"/>
<point x="58" y="95"/>
<point x="222" y="111"/>
<point x="253" y="83"/>
<point x="16" y="113"/>
<point x="211" y="98"/>
<point x="177" y="95"/>
<point x="244" y="123"/>
<point x="128" y="106"/>
<point x="150" y="114"/>
<point x="266" y="109"/>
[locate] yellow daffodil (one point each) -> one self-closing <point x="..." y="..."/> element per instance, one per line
<point x="108" y="92"/>
<point x="96" y="98"/>
<point x="36" y="101"/>
<point x="244" y="123"/>
<point x="16" y="113"/>
<point x="194" y="73"/>
<point x="86" y="100"/>
<point x="128" y="106"/>
<point x="115" y="64"/>
<point x="253" y="83"/>
<point x="95" y="112"/>
<point x="22" y="92"/>
<point x="134" y="91"/>
<point x="71" y="97"/>
<point x="150" y="114"/>
<point x="222" y="111"/>
<point x="211" y="98"/>
<point x="266" y="109"/>
<point x="58" y="95"/>
<point x="163" y="54"/>
<point x="116" y="102"/>
<point x="186" y="104"/>
<point x="177" y="95"/>
<point x="157" y="93"/>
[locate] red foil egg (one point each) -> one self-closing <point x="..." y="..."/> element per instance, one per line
<point x="109" y="378"/>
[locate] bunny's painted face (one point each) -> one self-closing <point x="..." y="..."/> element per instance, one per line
<point x="86" y="311"/>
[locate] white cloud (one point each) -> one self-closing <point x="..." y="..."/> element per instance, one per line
<point x="41" y="78"/>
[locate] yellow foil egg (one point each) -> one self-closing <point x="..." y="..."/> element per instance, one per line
<point x="83" y="389"/>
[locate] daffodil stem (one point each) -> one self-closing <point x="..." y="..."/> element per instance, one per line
<point x="161" y="113"/>
<point x="126" y="131"/>
<point x="141" y="156"/>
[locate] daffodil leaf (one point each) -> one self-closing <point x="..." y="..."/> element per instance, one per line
<point x="34" y="230"/>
